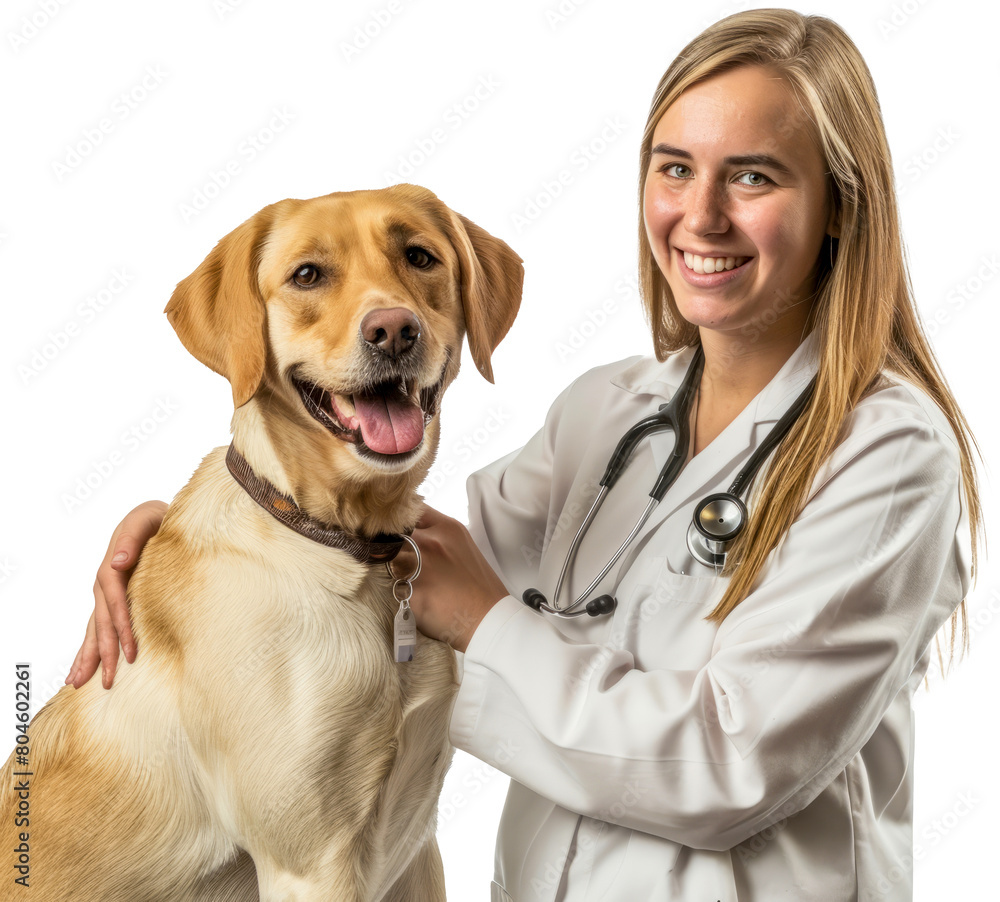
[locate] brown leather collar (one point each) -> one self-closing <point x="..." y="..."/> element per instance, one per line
<point x="368" y="551"/>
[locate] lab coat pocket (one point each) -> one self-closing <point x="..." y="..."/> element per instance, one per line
<point x="498" y="894"/>
<point x="664" y="619"/>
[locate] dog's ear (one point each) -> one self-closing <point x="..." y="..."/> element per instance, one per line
<point x="491" y="279"/>
<point x="218" y="311"/>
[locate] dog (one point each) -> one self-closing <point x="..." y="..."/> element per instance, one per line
<point x="266" y="743"/>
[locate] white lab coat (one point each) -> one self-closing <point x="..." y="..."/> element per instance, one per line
<point x="657" y="756"/>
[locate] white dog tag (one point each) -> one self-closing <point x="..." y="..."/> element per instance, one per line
<point x="405" y="633"/>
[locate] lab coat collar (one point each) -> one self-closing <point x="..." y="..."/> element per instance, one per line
<point x="712" y="469"/>
<point x="650" y="376"/>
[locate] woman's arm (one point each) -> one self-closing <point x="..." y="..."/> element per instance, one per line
<point x="109" y="623"/>
<point x="464" y="576"/>
<point x="801" y="673"/>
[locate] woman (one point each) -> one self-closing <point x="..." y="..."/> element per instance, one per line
<point x="745" y="735"/>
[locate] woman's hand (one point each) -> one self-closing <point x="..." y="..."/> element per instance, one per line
<point x="109" y="624"/>
<point x="456" y="587"/>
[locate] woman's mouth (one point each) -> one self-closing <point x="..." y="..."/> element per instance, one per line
<point x="707" y="272"/>
<point x="712" y="264"/>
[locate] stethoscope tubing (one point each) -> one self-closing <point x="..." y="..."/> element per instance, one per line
<point x="571" y="555"/>
<point x="674" y="416"/>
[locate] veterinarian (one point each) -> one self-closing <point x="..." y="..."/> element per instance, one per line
<point x="743" y="730"/>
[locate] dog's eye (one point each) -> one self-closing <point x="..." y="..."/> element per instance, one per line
<point x="306" y="275"/>
<point x="419" y="257"/>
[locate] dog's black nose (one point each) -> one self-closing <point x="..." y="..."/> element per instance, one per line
<point x="392" y="330"/>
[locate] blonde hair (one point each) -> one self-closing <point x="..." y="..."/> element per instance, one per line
<point x="863" y="310"/>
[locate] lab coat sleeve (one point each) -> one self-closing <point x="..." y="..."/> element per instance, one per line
<point x="799" y="677"/>
<point x="511" y="499"/>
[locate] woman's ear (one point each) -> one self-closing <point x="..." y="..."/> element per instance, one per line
<point x="218" y="311"/>
<point x="833" y="220"/>
<point x="833" y="224"/>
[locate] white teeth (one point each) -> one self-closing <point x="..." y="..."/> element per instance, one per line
<point x="345" y="405"/>
<point x="712" y="264"/>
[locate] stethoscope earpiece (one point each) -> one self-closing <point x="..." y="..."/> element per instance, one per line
<point x="533" y="599"/>
<point x="603" y="604"/>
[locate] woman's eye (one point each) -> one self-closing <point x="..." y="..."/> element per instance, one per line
<point x="754" y="179"/>
<point x="680" y="171"/>
<point x="419" y="257"/>
<point x="306" y="275"/>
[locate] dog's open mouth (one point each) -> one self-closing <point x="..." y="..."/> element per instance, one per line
<point x="387" y="418"/>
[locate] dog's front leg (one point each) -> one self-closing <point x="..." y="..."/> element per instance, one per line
<point x="423" y="879"/>
<point x="281" y="886"/>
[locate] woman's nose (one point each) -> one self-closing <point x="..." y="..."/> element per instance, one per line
<point x="705" y="208"/>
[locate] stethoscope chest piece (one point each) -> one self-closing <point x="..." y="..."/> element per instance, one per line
<point x="718" y="520"/>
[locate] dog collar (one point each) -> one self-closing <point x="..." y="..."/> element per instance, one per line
<point x="383" y="547"/>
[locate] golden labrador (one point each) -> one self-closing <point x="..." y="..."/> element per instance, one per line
<point x="266" y="743"/>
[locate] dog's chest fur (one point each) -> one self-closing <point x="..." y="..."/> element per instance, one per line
<point x="280" y="653"/>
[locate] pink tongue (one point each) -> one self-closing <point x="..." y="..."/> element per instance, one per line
<point x="389" y="425"/>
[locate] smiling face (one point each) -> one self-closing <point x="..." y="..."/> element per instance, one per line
<point x="364" y="316"/>
<point x="736" y="203"/>
<point x="338" y="322"/>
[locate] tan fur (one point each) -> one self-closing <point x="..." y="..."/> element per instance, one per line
<point x="265" y="744"/>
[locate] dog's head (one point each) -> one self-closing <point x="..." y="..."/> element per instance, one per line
<point x="348" y="311"/>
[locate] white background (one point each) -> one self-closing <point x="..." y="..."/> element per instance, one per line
<point x="352" y="110"/>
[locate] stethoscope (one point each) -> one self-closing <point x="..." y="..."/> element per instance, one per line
<point x="718" y="519"/>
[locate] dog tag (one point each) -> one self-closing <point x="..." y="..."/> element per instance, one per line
<point x="404" y="628"/>
<point x="405" y="633"/>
